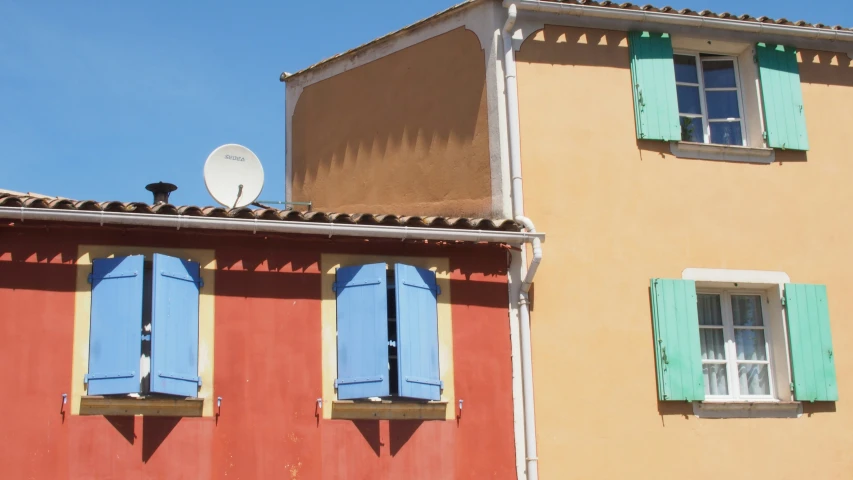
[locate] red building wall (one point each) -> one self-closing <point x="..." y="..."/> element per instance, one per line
<point x="267" y="368"/>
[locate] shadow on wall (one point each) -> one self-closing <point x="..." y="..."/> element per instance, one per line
<point x="406" y="129"/>
<point x="557" y="45"/>
<point x="37" y="267"/>
<point x="154" y="431"/>
<point x="399" y="433"/>
<point x="826" y="68"/>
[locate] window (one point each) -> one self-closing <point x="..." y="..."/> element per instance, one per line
<point x="716" y="344"/>
<point x="709" y="99"/>
<point x="734" y="344"/>
<point x="735" y="94"/>
<point x="387" y="333"/>
<point x="137" y="309"/>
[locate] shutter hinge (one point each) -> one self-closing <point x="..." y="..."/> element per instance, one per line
<point x="175" y="376"/>
<point x="89" y="278"/>
<point x="437" y="290"/>
<point x="146" y="337"/>
<point x="784" y="304"/>
<point x="335" y="287"/>
<point x="764" y="135"/>
<point x="356" y="380"/>
<point x="792" y="386"/>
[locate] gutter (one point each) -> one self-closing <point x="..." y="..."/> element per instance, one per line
<point x="613" y="13"/>
<point x="273" y="226"/>
<point x="514" y="137"/>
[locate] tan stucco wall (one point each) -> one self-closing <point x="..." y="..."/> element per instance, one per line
<point x="618" y="213"/>
<point x="404" y="134"/>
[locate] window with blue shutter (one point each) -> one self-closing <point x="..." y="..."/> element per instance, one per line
<point x="174" y="322"/>
<point x="362" y="320"/>
<point x="417" y="333"/>
<point x="115" y="330"/>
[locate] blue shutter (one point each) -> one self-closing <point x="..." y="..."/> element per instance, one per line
<point x="417" y="333"/>
<point x="362" y="306"/>
<point x="115" y="332"/>
<point x="174" y="326"/>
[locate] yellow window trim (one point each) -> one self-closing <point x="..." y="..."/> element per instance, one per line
<point x="83" y="304"/>
<point x="329" y="263"/>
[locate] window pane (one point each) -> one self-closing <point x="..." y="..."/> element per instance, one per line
<point x="713" y="344"/>
<point x="746" y="310"/>
<point x="716" y="381"/>
<point x="753" y="379"/>
<point x="726" y="133"/>
<point x="685" y="69"/>
<point x="750" y="344"/>
<point x="688" y="100"/>
<point x="691" y="130"/>
<point x="710" y="312"/>
<point x="721" y="104"/>
<point x="719" y="74"/>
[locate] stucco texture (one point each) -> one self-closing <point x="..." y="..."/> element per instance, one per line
<point x="619" y="212"/>
<point x="267" y="370"/>
<point x="404" y="134"/>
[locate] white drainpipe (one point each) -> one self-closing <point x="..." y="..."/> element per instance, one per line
<point x="511" y="92"/>
<point x="274" y="226"/>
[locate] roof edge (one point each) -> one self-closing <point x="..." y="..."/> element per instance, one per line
<point x="285" y="76"/>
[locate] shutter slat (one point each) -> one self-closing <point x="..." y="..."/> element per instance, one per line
<point x="417" y="333"/>
<point x="810" y="338"/>
<point x="362" y="312"/>
<point x="655" y="95"/>
<point x="115" y="342"/>
<point x="174" y="326"/>
<point x="782" y="97"/>
<point x="677" y="352"/>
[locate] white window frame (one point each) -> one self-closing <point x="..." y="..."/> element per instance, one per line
<point x="706" y="122"/>
<point x="731" y="360"/>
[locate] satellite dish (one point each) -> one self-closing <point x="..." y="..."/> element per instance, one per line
<point x="233" y="176"/>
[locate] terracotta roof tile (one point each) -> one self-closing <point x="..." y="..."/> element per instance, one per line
<point x="14" y="199"/>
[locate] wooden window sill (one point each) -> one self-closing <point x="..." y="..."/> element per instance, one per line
<point x="149" y="406"/>
<point x="722" y="153"/>
<point x="746" y="409"/>
<point x="388" y="410"/>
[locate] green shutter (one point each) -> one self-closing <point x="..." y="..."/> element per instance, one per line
<point x="677" y="351"/>
<point x="784" y="119"/>
<point x="655" y="96"/>
<point x="811" y="342"/>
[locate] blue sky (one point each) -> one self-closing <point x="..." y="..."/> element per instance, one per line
<point x="98" y="99"/>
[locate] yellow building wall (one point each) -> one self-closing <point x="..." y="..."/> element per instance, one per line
<point x="619" y="212"/>
<point x="405" y="134"/>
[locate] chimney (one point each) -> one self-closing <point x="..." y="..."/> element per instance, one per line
<point x="161" y="191"/>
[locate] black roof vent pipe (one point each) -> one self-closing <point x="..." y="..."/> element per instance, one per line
<point x="161" y="191"/>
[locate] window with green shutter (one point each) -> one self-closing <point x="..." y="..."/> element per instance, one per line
<point x="694" y="92"/>
<point x="812" y="356"/>
<point x="676" y="327"/>
<point x="726" y="341"/>
<point x="782" y="97"/>
<point x="653" y="74"/>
